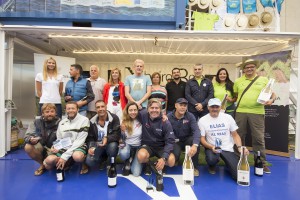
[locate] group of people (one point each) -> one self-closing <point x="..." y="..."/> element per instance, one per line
<point x="140" y="119"/>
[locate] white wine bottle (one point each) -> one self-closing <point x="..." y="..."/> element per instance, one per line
<point x="224" y="103"/>
<point x="258" y="166"/>
<point x="112" y="174"/>
<point x="243" y="169"/>
<point x="188" y="168"/>
<point x="266" y="93"/>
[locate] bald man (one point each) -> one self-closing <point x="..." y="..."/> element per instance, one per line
<point x="97" y="84"/>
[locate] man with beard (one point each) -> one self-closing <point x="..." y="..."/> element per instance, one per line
<point x="157" y="137"/>
<point x="40" y="136"/>
<point x="74" y="129"/>
<point x="175" y="89"/>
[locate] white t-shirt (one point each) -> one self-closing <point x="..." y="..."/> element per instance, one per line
<point x="97" y="86"/>
<point x="219" y="127"/>
<point x="50" y="89"/>
<point x="135" y="138"/>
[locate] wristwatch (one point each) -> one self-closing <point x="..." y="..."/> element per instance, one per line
<point x="165" y="160"/>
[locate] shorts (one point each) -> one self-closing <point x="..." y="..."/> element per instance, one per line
<point x="153" y="151"/>
<point x="83" y="148"/>
<point x="45" y="151"/>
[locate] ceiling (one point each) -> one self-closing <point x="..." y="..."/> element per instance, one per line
<point x="153" y="46"/>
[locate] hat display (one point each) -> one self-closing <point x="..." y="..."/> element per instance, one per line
<point x="181" y="100"/>
<point x="266" y="18"/>
<point x="229" y="22"/>
<point x="203" y="4"/>
<point x="192" y="2"/>
<point x="247" y="62"/>
<point x="253" y="21"/>
<point x="241" y="22"/>
<point x="214" y="102"/>
<point x="215" y="4"/>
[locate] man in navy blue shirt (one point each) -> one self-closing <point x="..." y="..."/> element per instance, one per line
<point x="157" y="136"/>
<point x="186" y="132"/>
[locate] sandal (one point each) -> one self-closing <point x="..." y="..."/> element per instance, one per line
<point x="84" y="169"/>
<point x="40" y="170"/>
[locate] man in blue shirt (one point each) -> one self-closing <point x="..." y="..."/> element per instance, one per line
<point x="79" y="89"/>
<point x="186" y="132"/>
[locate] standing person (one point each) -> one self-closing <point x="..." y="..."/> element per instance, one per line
<point x="158" y="91"/>
<point x="221" y="127"/>
<point x="105" y="132"/>
<point x="79" y="89"/>
<point x="49" y="85"/>
<point x="198" y="91"/>
<point x="138" y="86"/>
<point x="114" y="93"/>
<point x="186" y="132"/>
<point x="157" y="137"/>
<point x="132" y="131"/>
<point x="40" y="136"/>
<point x="175" y="89"/>
<point x="97" y="84"/>
<point x="249" y="112"/>
<point x="223" y="86"/>
<point x="75" y="127"/>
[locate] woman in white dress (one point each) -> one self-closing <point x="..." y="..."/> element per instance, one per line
<point x="49" y="85"/>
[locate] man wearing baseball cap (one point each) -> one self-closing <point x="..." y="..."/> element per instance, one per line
<point x="218" y="136"/>
<point x="186" y="132"/>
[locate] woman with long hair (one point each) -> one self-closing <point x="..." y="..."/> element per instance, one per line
<point x="222" y="86"/>
<point x="49" y="85"/>
<point x="114" y="93"/>
<point x="131" y="140"/>
<point x="158" y="91"/>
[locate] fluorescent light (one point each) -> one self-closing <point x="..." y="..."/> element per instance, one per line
<point x="139" y="38"/>
<point x="161" y="53"/>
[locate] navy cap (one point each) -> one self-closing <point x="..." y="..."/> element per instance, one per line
<point x="181" y="100"/>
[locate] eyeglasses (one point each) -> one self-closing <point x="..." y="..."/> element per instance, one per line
<point x="214" y="106"/>
<point x="139" y="66"/>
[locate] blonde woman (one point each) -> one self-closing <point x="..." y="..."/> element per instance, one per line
<point x="131" y="134"/>
<point x="49" y="85"/>
<point x="114" y="93"/>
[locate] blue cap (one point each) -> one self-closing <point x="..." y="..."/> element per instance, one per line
<point x="181" y="100"/>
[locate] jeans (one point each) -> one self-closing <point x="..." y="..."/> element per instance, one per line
<point x="178" y="146"/>
<point x="124" y="153"/>
<point x="111" y="150"/>
<point x="230" y="158"/>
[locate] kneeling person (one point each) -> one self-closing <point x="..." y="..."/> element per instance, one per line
<point x="40" y="136"/>
<point x="219" y="129"/>
<point x="157" y="136"/>
<point x="186" y="132"/>
<point x="75" y="127"/>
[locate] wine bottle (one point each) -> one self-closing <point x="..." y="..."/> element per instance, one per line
<point x="112" y="174"/>
<point x="224" y="103"/>
<point x="188" y="168"/>
<point x="218" y="143"/>
<point x="159" y="181"/>
<point x="266" y="93"/>
<point x="258" y="166"/>
<point x="243" y="174"/>
<point x="60" y="175"/>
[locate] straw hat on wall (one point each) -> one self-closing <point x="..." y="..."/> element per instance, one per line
<point x="253" y="21"/>
<point x="203" y="4"/>
<point x="266" y="18"/>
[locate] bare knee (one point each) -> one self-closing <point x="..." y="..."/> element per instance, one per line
<point x="143" y="156"/>
<point x="50" y="161"/>
<point x="171" y="160"/>
<point x="78" y="156"/>
<point x="28" y="148"/>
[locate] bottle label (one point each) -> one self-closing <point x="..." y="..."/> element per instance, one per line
<point x="188" y="174"/>
<point x="59" y="176"/>
<point x="243" y="176"/>
<point x="112" y="181"/>
<point x="259" y="171"/>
